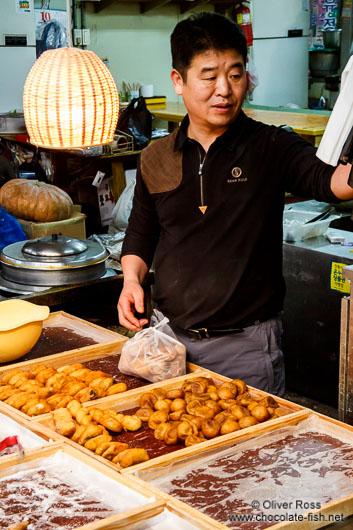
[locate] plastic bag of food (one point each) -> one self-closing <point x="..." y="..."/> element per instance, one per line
<point x="153" y="355"/>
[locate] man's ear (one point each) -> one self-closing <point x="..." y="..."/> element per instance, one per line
<point x="177" y="81"/>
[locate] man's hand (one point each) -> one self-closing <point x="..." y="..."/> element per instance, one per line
<point x="131" y="300"/>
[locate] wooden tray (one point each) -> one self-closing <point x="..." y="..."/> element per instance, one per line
<point x="105" y="340"/>
<point x="325" y="470"/>
<point x="60" y="461"/>
<point x="129" y="402"/>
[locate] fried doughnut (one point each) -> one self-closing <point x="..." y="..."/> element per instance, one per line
<point x="116" y="389"/>
<point x="90" y="431"/>
<point x="93" y="443"/>
<point x="241" y="386"/>
<point x="192" y="440"/>
<point x="177" y="404"/>
<point x="18" y="400"/>
<point x="162" y="404"/>
<point x="210" y="428"/>
<point x="114" y="449"/>
<point x="223" y="416"/>
<point x="185" y="429"/>
<point x="196" y="420"/>
<point x="160" y="431"/>
<point x="83" y="416"/>
<point x="260" y="412"/>
<point x="44" y="375"/>
<point x="7" y="391"/>
<point x="227" y="391"/>
<point x="214" y="406"/>
<point x="148" y="399"/>
<point x="239" y="412"/>
<point x="101" y="385"/>
<point x="63" y="422"/>
<point x="192" y="405"/>
<point x="5" y="378"/>
<point x="81" y="373"/>
<point x="56" y="382"/>
<point x="144" y="413"/>
<point x="160" y="393"/>
<point x="171" y="434"/>
<point x="244" y="399"/>
<point x="63" y="402"/>
<point x="280" y="411"/>
<point x="227" y="403"/>
<point x="157" y="417"/>
<point x="175" y="416"/>
<point x="110" y="423"/>
<point x="94" y="374"/>
<point x="41" y="407"/>
<point x="252" y="404"/>
<point x="175" y="393"/>
<point x="133" y="423"/>
<point x="73" y="387"/>
<point x="69" y="368"/>
<point x="130" y="457"/>
<point x="204" y="412"/>
<point x="18" y="379"/>
<point x="85" y="394"/>
<point x="96" y="414"/>
<point x="79" y="430"/>
<point x="229" y="425"/>
<point x="74" y="406"/>
<point x="247" y="421"/>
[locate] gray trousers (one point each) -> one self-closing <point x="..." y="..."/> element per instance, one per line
<point x="253" y="355"/>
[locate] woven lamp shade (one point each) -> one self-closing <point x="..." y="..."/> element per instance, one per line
<point x="70" y="100"/>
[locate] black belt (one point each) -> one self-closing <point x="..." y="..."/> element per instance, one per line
<point x="205" y="333"/>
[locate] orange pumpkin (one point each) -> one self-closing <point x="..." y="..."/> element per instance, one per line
<point x="35" y="201"/>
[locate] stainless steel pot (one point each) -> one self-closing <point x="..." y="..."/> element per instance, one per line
<point x="53" y="260"/>
<point x="332" y="38"/>
<point x="323" y="62"/>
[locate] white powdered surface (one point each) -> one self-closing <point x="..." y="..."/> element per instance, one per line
<point x="61" y="492"/>
<point x="305" y="466"/>
<point x="27" y="438"/>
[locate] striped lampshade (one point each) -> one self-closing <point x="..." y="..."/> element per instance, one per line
<point x="70" y="100"/>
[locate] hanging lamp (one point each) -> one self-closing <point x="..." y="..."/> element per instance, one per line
<point x="70" y="100"/>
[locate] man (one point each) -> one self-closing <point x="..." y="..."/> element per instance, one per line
<point x="208" y="209"/>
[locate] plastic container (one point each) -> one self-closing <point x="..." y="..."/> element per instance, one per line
<point x="295" y="229"/>
<point x="10" y="229"/>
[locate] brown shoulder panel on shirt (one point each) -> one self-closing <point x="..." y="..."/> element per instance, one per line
<point x="161" y="166"/>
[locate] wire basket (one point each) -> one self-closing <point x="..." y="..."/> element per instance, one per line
<point x="122" y="143"/>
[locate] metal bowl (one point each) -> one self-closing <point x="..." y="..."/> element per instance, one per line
<point x="323" y="62"/>
<point x="332" y="38"/>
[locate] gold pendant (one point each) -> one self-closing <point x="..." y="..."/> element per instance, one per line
<point x="203" y="209"/>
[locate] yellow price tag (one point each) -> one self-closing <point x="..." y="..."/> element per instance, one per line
<point x="338" y="283"/>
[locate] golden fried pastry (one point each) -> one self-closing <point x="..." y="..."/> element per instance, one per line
<point x="210" y="428"/>
<point x="252" y="404"/>
<point x="247" y="421"/>
<point x="116" y="389"/>
<point x="175" y="416"/>
<point x="129" y="457"/>
<point x="77" y="434"/>
<point x="171" y="434"/>
<point x="196" y="420"/>
<point x="148" y="399"/>
<point x="41" y="407"/>
<point x="159" y="392"/>
<point x="101" y="385"/>
<point x="44" y="375"/>
<point x="94" y="374"/>
<point x="227" y="403"/>
<point x="111" y="423"/>
<point x="114" y="449"/>
<point x="93" y="443"/>
<point x="132" y="423"/>
<point x="223" y="416"/>
<point x="69" y="368"/>
<point x="63" y="402"/>
<point x="18" y="526"/>
<point x="103" y="446"/>
<point x="280" y="411"/>
<point x="268" y="401"/>
<point x="160" y="431"/>
<point x="214" y="406"/>
<point x="73" y="387"/>
<point x="260" y="412"/>
<point x="175" y="393"/>
<point x="5" y="378"/>
<point x="96" y="414"/>
<point x="229" y="425"/>
<point x="83" y="416"/>
<point x="239" y="412"/>
<point x="185" y="429"/>
<point x="192" y="440"/>
<point x="91" y="431"/>
<point x="63" y="422"/>
<point x="204" y="412"/>
<point x="85" y="394"/>
<point x="227" y="391"/>
<point x="241" y="386"/>
<point x="157" y="417"/>
<point x="7" y="391"/>
<point x="162" y="404"/>
<point x="244" y="399"/>
<point x="18" y="400"/>
<point x="144" y="413"/>
<point x="177" y="404"/>
<point x="74" y="406"/>
<point x="20" y="378"/>
<point x="56" y="382"/>
<point x="192" y="405"/>
<point x="55" y="399"/>
<point x="81" y="374"/>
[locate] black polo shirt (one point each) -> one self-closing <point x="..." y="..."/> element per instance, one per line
<point x="221" y="268"/>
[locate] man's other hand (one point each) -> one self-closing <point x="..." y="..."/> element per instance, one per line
<point x="131" y="301"/>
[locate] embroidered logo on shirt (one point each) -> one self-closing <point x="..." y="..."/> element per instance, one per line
<point x="236" y="174"/>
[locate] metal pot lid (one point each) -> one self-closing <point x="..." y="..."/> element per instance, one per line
<point x="12" y="256"/>
<point x="54" y="246"/>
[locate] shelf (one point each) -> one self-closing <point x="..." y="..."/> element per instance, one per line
<point x="184" y="6"/>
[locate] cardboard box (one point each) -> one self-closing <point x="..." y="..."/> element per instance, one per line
<point x="74" y="226"/>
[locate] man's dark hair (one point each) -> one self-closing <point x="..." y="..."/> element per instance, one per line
<point x="201" y="32"/>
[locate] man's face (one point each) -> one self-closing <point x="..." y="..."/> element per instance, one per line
<point x="214" y="89"/>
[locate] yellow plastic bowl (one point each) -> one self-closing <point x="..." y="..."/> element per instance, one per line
<point x="21" y="324"/>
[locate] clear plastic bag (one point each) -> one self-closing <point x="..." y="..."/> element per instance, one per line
<point x="153" y="355"/>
